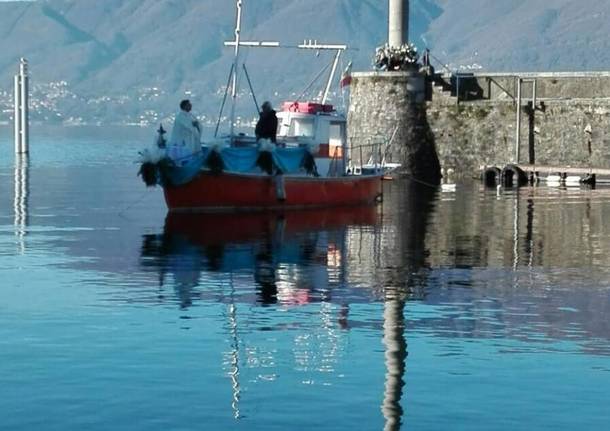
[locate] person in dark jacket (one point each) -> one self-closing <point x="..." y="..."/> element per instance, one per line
<point x="266" y="128"/>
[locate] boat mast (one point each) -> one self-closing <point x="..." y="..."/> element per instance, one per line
<point x="307" y="44"/>
<point x="330" y="78"/>
<point x="235" y="65"/>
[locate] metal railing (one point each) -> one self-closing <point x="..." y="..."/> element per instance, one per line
<point x="371" y="151"/>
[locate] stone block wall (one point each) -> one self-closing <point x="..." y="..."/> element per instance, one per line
<point x="499" y="86"/>
<point x="570" y="126"/>
<point x="566" y="133"/>
<point x="391" y="106"/>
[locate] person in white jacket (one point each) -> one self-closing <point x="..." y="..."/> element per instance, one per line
<point x="185" y="139"/>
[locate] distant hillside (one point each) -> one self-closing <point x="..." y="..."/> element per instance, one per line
<point x="523" y="35"/>
<point x="133" y="60"/>
<point x="124" y="57"/>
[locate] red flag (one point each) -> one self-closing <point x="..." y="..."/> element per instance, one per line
<point x="346" y="76"/>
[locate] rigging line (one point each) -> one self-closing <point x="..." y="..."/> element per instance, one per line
<point x="341" y="88"/>
<point x="130" y="206"/>
<point x="442" y="63"/>
<point x="388" y="146"/>
<point x="313" y="81"/>
<point x="224" y="101"/>
<point x="412" y="178"/>
<point x="251" y="89"/>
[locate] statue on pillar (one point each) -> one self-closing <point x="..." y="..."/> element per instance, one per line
<point x="398" y="54"/>
<point x="396" y="58"/>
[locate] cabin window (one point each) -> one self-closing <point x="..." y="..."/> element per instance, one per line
<point x="335" y="134"/>
<point x="302" y="127"/>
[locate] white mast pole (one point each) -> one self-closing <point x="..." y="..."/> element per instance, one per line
<point x="332" y="75"/>
<point x="236" y="65"/>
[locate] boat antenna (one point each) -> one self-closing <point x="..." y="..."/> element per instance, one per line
<point x="236" y="64"/>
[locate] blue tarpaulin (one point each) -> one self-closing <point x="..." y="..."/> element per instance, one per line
<point x="235" y="160"/>
<point x="243" y="160"/>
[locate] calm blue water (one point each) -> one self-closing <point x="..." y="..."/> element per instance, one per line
<point x="469" y="310"/>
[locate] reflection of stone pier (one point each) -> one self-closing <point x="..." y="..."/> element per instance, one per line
<point x="395" y="362"/>
<point x="406" y="275"/>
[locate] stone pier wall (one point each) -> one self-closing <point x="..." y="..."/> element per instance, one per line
<point x="392" y="106"/>
<point x="569" y="127"/>
<point x="498" y="86"/>
<point x="564" y="133"/>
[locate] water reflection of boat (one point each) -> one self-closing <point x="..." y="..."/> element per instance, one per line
<point x="293" y="257"/>
<point x="228" y="228"/>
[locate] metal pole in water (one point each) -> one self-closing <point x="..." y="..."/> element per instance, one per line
<point x="17" y="114"/>
<point x="398" y="23"/>
<point x="22" y="109"/>
<point x="25" y="111"/>
<point x="534" y="93"/>
<point x="532" y="149"/>
<point x="20" y="204"/>
<point x="518" y="132"/>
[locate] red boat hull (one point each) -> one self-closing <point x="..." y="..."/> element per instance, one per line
<point x="209" y="192"/>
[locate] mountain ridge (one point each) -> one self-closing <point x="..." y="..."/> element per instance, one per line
<point x="132" y="60"/>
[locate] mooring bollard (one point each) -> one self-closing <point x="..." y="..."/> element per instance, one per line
<point x="22" y="109"/>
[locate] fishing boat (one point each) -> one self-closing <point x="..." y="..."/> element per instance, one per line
<point x="307" y="167"/>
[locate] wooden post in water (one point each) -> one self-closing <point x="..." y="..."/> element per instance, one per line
<point x="22" y="109"/>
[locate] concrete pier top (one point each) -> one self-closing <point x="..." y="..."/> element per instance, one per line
<point x="367" y="86"/>
<point x="384" y="74"/>
<point x="565" y="74"/>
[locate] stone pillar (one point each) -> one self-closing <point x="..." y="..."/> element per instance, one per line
<point x="398" y="24"/>
<point x="386" y="104"/>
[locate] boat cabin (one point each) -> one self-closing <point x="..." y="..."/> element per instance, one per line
<point x="319" y="126"/>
